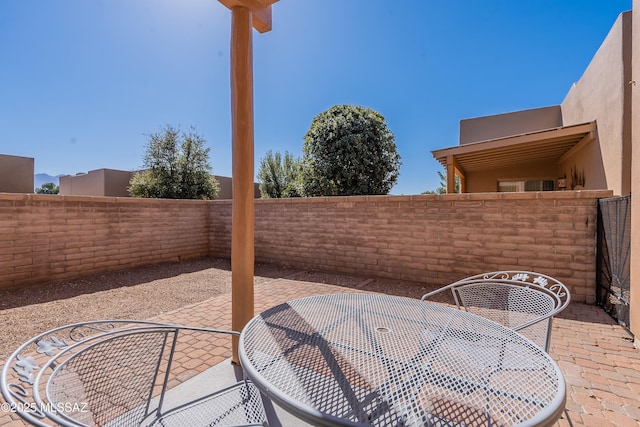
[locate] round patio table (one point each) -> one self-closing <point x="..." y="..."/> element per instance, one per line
<point x="369" y="359"/>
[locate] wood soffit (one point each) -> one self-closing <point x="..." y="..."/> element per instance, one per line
<point x="548" y="145"/>
<point x="260" y="11"/>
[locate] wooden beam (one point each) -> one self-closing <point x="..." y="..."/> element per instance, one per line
<point x="451" y="175"/>
<point x="462" y="174"/>
<point x="463" y="183"/>
<point x="518" y="141"/>
<point x="590" y="137"/>
<point x="242" y="213"/>
<point x="260" y="11"/>
<point x="453" y="169"/>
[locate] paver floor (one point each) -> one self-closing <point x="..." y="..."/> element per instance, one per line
<point x="597" y="357"/>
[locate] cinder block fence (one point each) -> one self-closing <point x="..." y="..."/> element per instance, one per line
<point x="48" y="238"/>
<point x="432" y="239"/>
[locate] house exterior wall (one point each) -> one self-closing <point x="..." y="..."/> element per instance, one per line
<point x="115" y="183"/>
<point x="226" y="188"/>
<point x="509" y="124"/>
<point x="99" y="182"/>
<point x="587" y="160"/>
<point x="85" y="184"/>
<point x="635" y="181"/>
<point x="602" y="94"/>
<point x="486" y="181"/>
<point x="16" y="174"/>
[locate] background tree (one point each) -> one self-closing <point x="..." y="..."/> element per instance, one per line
<point x="48" y="188"/>
<point x="443" y="185"/>
<point x="279" y="177"/>
<point x="349" y="150"/>
<point x="177" y="167"/>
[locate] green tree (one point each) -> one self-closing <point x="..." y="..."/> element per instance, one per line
<point x="278" y="176"/>
<point x="176" y="167"/>
<point x="349" y="150"/>
<point x="443" y="185"/>
<point x="48" y="188"/>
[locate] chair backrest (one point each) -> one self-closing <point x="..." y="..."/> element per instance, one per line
<point x="521" y="300"/>
<point x="109" y="373"/>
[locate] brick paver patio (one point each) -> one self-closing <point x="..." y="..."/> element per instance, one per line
<point x="597" y="357"/>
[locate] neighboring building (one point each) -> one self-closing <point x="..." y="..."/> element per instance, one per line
<point x="225" y="191"/>
<point x="99" y="182"/>
<point x="584" y="143"/>
<point x="16" y="174"/>
<point x="114" y="183"/>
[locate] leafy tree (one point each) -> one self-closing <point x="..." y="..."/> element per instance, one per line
<point x="349" y="150"/>
<point x="279" y="177"/>
<point x="48" y="188"/>
<point x="177" y="167"/>
<point x="443" y="185"/>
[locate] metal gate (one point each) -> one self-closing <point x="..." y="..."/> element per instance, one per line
<point x="614" y="250"/>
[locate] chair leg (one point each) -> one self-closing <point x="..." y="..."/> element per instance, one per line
<point x="566" y="414"/>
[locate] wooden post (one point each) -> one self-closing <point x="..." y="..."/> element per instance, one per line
<point x="242" y="216"/>
<point x="453" y="169"/>
<point x="451" y="175"/>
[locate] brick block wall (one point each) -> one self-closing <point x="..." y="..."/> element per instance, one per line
<point x="433" y="239"/>
<point x="50" y="238"/>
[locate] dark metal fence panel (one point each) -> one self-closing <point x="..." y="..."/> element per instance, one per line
<point x="614" y="250"/>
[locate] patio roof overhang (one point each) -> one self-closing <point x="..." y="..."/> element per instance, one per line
<point x="551" y="145"/>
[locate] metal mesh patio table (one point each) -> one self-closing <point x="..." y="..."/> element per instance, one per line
<point x="368" y="359"/>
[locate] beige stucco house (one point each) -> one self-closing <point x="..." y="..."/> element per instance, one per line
<point x="114" y="183"/>
<point x="99" y="182"/>
<point x="16" y="174"/>
<point x="584" y="143"/>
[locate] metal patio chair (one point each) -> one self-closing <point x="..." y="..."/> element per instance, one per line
<point x="118" y="373"/>
<point x="521" y="300"/>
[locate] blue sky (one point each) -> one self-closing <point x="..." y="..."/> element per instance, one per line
<point x="82" y="82"/>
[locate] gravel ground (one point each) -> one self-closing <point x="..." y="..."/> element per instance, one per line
<point x="144" y="293"/>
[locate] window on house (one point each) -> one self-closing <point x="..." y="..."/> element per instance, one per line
<point x="528" y="185"/>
